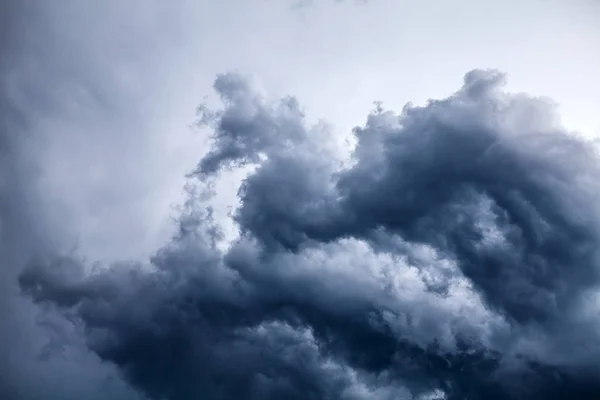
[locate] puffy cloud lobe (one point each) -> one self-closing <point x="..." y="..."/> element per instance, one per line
<point x="454" y="257"/>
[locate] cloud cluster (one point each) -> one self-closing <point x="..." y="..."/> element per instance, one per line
<point x="454" y="255"/>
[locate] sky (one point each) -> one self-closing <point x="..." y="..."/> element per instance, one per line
<point x="461" y="225"/>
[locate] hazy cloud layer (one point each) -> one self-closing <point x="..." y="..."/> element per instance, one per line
<point x="453" y="255"/>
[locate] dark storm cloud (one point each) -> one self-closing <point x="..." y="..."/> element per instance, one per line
<point x="454" y="256"/>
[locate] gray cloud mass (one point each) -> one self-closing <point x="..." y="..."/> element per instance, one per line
<point x="453" y="255"/>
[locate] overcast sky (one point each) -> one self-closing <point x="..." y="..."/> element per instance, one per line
<point x="99" y="99"/>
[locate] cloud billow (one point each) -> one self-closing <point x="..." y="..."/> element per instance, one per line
<point x="454" y="255"/>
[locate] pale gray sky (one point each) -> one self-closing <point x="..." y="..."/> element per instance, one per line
<point x="110" y="88"/>
<point x="97" y="99"/>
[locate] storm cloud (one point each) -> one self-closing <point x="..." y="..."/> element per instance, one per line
<point x="452" y="255"/>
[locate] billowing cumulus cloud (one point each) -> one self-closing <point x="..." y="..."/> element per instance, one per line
<point x="452" y="255"/>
